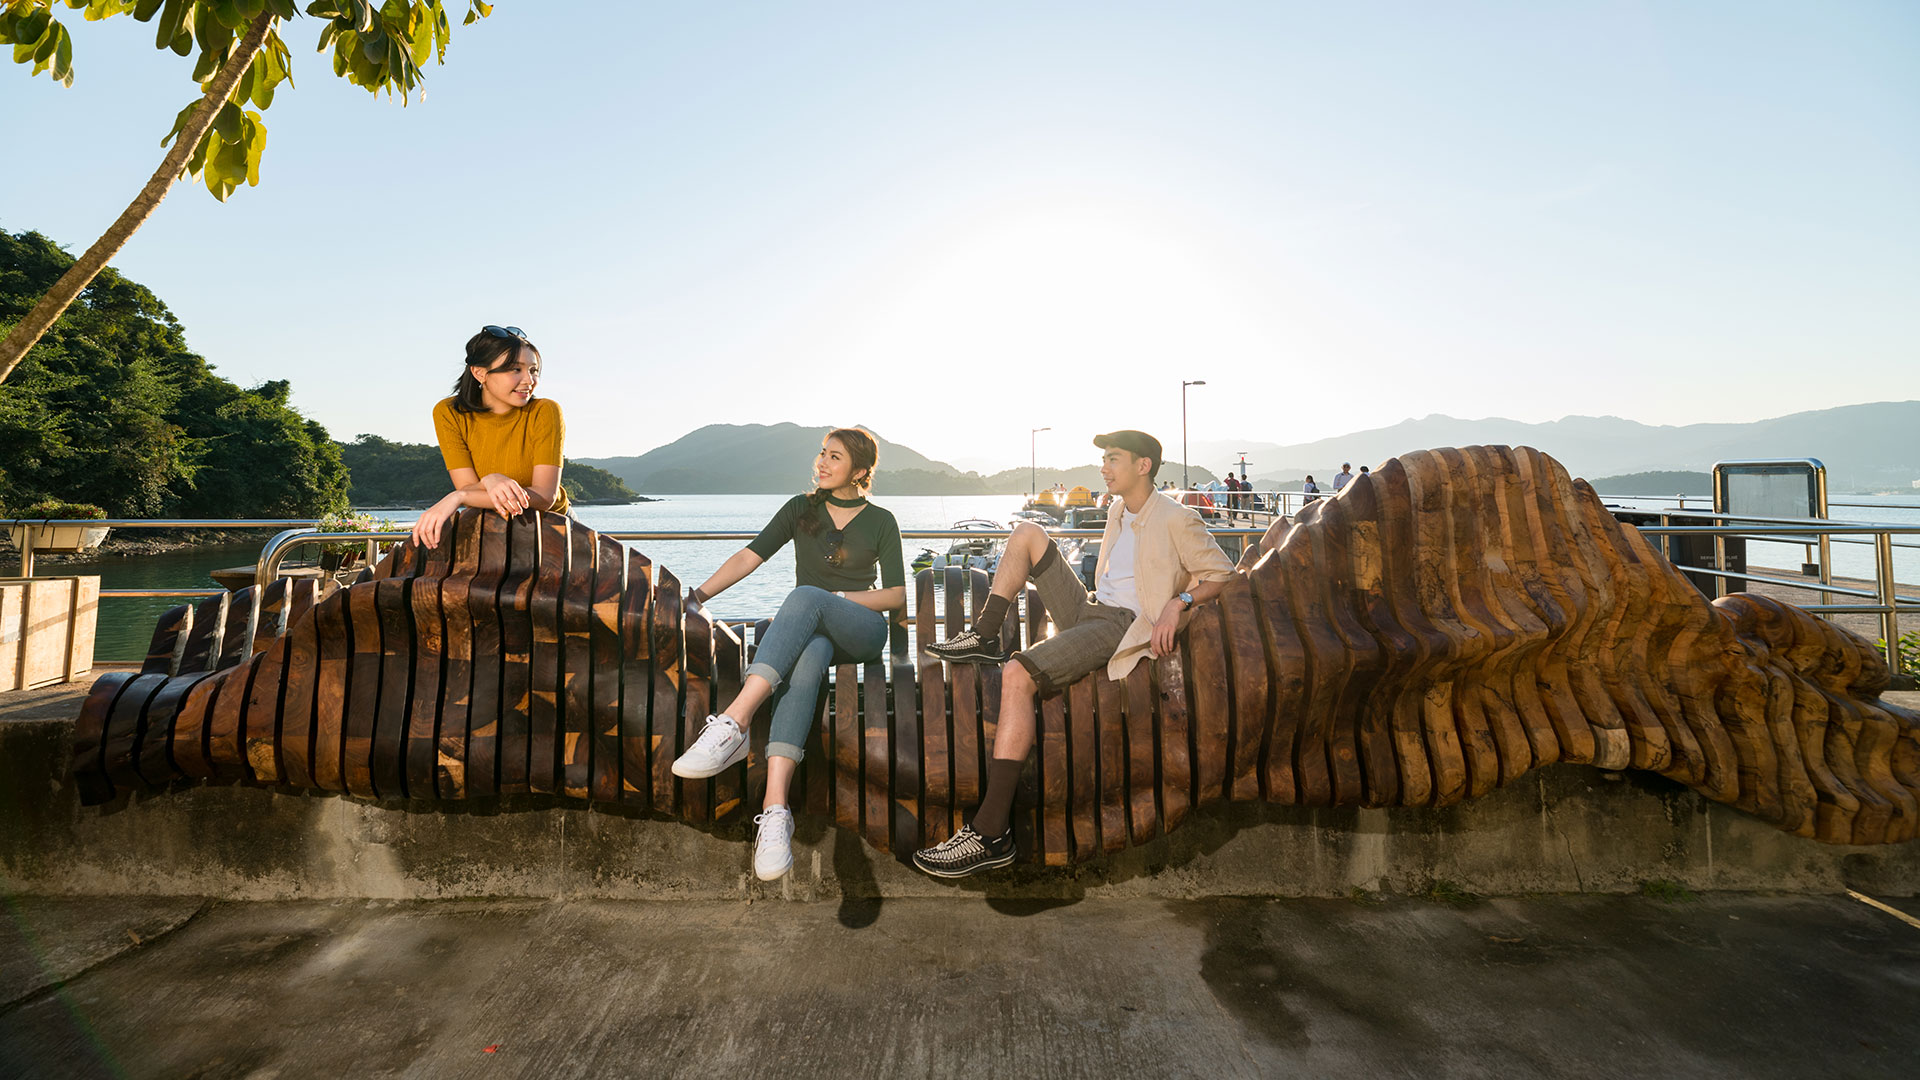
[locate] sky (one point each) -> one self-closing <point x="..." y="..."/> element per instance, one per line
<point x="954" y="223"/>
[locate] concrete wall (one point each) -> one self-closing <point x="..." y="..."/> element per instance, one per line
<point x="1559" y="829"/>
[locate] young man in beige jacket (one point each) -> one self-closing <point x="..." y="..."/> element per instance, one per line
<point x="1156" y="561"/>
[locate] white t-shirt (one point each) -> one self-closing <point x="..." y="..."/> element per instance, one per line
<point x="1340" y="480"/>
<point x="1115" y="587"/>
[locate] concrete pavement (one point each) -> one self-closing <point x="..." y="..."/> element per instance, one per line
<point x="1724" y="985"/>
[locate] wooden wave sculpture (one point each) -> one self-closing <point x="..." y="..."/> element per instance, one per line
<point x="1437" y="629"/>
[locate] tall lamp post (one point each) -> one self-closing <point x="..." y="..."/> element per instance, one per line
<point x="1032" y="439"/>
<point x="1184" y="485"/>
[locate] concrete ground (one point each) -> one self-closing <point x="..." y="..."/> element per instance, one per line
<point x="1723" y="985"/>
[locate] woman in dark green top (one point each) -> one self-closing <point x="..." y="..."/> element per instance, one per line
<point x="841" y="544"/>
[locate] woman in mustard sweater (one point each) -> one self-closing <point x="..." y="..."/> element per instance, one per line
<point x="502" y="446"/>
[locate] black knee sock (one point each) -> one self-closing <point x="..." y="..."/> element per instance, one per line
<point x="987" y="623"/>
<point x="996" y="806"/>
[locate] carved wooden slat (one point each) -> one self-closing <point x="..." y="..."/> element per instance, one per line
<point x="637" y="677"/>
<point x="1083" y="758"/>
<point x="169" y="637"/>
<point x="936" y="768"/>
<point x="189" y="736"/>
<point x="236" y="638"/>
<point x="877" y="768"/>
<point x="448" y="768"/>
<point x="576" y="656"/>
<point x="604" y="710"/>
<point x="485" y="708"/>
<point x="848" y="751"/>
<point x="1206" y="660"/>
<point x="1055" y="781"/>
<point x="729" y="667"/>
<point x="334" y="645"/>
<point x="905" y="807"/>
<point x="1176" y="775"/>
<point x="669" y="651"/>
<point x="426" y="703"/>
<point x="1142" y="787"/>
<point x="1110" y="731"/>
<point x="272" y="619"/>
<point x="516" y="654"/>
<point x="153" y="750"/>
<point x="552" y="579"/>
<point x="1247" y="660"/>
<point x="964" y="682"/>
<point x="126" y="723"/>
<point x="202" y="649"/>
<point x="696" y="796"/>
<point x="363" y="690"/>
<point x="296" y="736"/>
<point x="396" y="682"/>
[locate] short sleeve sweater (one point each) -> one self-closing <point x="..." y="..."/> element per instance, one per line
<point x="509" y="443"/>
<point x="870" y="543"/>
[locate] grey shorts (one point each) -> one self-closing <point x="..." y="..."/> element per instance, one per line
<point x="1085" y="631"/>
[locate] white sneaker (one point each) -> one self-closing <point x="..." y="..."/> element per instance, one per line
<point x="721" y="743"/>
<point x="773" y="847"/>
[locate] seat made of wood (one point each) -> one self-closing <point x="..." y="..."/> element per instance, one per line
<point x="1442" y="626"/>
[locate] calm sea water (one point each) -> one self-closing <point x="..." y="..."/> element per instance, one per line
<point x="126" y="625"/>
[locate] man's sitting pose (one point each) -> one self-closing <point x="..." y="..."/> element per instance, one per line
<point x="1156" y="561"/>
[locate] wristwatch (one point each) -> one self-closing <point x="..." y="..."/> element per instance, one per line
<point x="1186" y="599"/>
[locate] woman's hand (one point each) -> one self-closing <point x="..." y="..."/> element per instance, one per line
<point x="509" y="498"/>
<point x="426" y="531"/>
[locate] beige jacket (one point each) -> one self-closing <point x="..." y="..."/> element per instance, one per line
<point x="1172" y="552"/>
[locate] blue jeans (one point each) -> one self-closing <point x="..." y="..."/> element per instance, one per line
<point x="814" y="629"/>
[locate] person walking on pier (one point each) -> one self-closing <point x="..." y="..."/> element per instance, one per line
<point x="501" y="445"/>
<point x="1156" y="561"/>
<point x="841" y="543"/>
<point x="1345" y="477"/>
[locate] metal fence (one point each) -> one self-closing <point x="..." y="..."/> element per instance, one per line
<point x="1882" y="600"/>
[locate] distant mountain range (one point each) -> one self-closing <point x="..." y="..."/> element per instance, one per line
<point x="730" y="459"/>
<point x="1867" y="447"/>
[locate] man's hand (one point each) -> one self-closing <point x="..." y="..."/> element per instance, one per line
<point x="1166" y="628"/>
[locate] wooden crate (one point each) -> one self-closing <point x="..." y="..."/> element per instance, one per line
<point x="46" y="630"/>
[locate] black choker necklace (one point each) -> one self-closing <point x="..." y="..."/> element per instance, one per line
<point x="861" y="501"/>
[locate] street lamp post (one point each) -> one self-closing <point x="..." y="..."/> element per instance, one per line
<point x="1032" y="439"/>
<point x="1184" y="485"/>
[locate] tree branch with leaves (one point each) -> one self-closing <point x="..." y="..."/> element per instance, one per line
<point x="240" y="59"/>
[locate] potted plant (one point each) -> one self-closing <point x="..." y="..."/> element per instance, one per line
<point x="62" y="539"/>
<point x="347" y="554"/>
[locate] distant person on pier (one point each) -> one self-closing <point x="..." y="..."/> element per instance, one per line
<point x="1345" y="477"/>
<point x="1312" y="489"/>
<point x="501" y="445"/>
<point x="1156" y="561"/>
<point x="1364" y="470"/>
<point x="834" y="615"/>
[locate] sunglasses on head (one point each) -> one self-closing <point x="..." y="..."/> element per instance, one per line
<point x="505" y="332"/>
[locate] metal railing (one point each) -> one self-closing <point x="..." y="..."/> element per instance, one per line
<point x="1886" y="602"/>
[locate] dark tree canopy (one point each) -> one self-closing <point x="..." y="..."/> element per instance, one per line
<point x="112" y="408"/>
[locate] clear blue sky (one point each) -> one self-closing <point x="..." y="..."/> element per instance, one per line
<point x="1340" y="215"/>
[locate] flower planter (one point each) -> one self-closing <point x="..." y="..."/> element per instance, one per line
<point x="62" y="539"/>
<point x="46" y="629"/>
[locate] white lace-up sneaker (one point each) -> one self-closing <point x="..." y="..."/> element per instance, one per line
<point x="773" y="847"/>
<point x="721" y="743"/>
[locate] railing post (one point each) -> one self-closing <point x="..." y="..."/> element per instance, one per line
<point x="26" y="550"/>
<point x="1890" y="616"/>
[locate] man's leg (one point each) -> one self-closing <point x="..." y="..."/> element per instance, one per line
<point x="1023" y="551"/>
<point x="1029" y="551"/>
<point x="1010" y="746"/>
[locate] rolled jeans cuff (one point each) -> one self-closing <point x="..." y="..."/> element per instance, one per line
<point x="772" y="676"/>
<point x="786" y="750"/>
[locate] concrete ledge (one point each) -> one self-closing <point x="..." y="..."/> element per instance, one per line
<point x="1561" y="829"/>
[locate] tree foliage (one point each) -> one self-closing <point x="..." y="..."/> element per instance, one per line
<point x="388" y="473"/>
<point x="240" y="60"/>
<point x="113" y="408"/>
